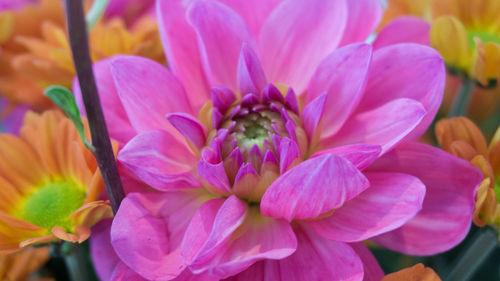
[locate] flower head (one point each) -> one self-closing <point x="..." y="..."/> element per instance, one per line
<point x="268" y="158"/>
<point x="38" y="55"/>
<point x="461" y="137"/>
<point x="466" y="33"/>
<point x="50" y="184"/>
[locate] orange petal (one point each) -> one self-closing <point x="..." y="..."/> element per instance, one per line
<point x="91" y="213"/>
<point x="81" y="234"/>
<point x="482" y="163"/>
<point x="21" y="265"/>
<point x="415" y="273"/>
<point x="462" y="150"/>
<point x="38" y="240"/>
<point x="460" y="128"/>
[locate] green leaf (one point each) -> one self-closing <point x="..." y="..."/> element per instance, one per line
<point x="63" y="98"/>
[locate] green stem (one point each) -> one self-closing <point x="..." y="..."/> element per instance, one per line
<point x="76" y="262"/>
<point x="95" y="13"/>
<point x="462" y="99"/>
<point x="483" y="243"/>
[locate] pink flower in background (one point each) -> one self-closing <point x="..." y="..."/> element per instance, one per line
<point x="14" y="4"/>
<point x="11" y="117"/>
<point x="275" y="151"/>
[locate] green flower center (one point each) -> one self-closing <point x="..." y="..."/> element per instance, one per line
<point x="51" y="205"/>
<point x="486" y="37"/>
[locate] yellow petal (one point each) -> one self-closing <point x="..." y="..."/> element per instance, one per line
<point x="449" y="38"/>
<point x="492" y="61"/>
<point x="6" y="24"/>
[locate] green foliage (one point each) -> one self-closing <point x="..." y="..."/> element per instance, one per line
<point x="63" y="98"/>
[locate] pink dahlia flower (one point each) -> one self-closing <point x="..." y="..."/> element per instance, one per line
<point x="276" y="152"/>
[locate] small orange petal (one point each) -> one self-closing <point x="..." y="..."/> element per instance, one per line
<point x="460" y="128"/>
<point x="415" y="273"/>
<point x="80" y="234"/>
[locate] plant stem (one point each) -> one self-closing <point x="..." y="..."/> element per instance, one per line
<point x="100" y="138"/>
<point x="95" y="13"/>
<point x="462" y="98"/>
<point x="75" y="261"/>
<point x="484" y="242"/>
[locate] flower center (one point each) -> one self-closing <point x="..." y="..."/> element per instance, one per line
<point x="52" y="204"/>
<point x="256" y="138"/>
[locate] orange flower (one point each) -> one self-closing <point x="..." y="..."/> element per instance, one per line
<point x="50" y="183"/>
<point x="19" y="266"/>
<point x="461" y="137"/>
<point x="417" y="272"/>
<point x="43" y="58"/>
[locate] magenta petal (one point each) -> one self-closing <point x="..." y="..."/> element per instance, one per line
<point x="312" y="114"/>
<point x="122" y="272"/>
<point x="446" y="214"/>
<point x="343" y="75"/>
<point x="392" y="200"/>
<point x="296" y="28"/>
<point x="139" y="229"/>
<point x="386" y="125"/>
<point x="404" y="30"/>
<point x="160" y="160"/>
<point x="406" y="71"/>
<point x="221" y="34"/>
<point x="181" y="49"/>
<point x="254" y="12"/>
<point x="363" y="18"/>
<point x="315" y="259"/>
<point x="117" y="120"/>
<point x="148" y="92"/>
<point x="360" y="155"/>
<point x="189" y="127"/>
<point x="289" y="151"/>
<point x="211" y="169"/>
<point x="263" y="238"/>
<point x="103" y="255"/>
<point x="373" y="271"/>
<point x="312" y="188"/>
<point x="211" y="227"/>
<point x="251" y="77"/>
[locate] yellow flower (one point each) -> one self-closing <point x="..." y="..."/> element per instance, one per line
<point x="35" y="60"/>
<point x="466" y="33"/>
<point x="19" y="266"/>
<point x="49" y="184"/>
<point x="461" y="137"/>
<point x="415" y="273"/>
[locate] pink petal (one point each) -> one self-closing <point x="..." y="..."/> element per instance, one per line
<point x="446" y="215"/>
<point x="263" y="238"/>
<point x="316" y="259"/>
<point x="103" y="255"/>
<point x="364" y="16"/>
<point x="373" y="271"/>
<point x="123" y="273"/>
<point x="343" y="76"/>
<point x="189" y="127"/>
<point x="148" y="92"/>
<point x="406" y="71"/>
<point x="254" y="12"/>
<point x="404" y="30"/>
<point x="360" y="155"/>
<point x="140" y="228"/>
<point x="314" y="187"/>
<point x="211" y="227"/>
<point x="181" y="49"/>
<point x="296" y="28"/>
<point x="211" y="169"/>
<point x="289" y="151"/>
<point x="386" y="125"/>
<point x="160" y="160"/>
<point x="251" y="77"/>
<point x="391" y="201"/>
<point x="221" y="34"/>
<point x="117" y="120"/>
<point x="312" y="114"/>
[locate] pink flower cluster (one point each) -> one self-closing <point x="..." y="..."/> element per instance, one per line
<point x="275" y="146"/>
